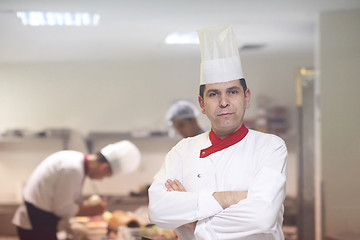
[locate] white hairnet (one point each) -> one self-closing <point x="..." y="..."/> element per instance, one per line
<point x="181" y="109"/>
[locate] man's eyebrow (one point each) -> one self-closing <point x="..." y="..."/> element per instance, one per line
<point x="233" y="88"/>
<point x="228" y="89"/>
<point x="212" y="90"/>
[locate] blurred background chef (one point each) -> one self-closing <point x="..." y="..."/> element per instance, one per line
<point x="182" y="116"/>
<point x="53" y="190"/>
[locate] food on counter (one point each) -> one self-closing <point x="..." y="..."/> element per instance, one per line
<point x="122" y="218"/>
<point x="94" y="200"/>
<point x="156" y="233"/>
<point x="142" y="215"/>
<point x="86" y="228"/>
<point x="96" y="225"/>
<point x="80" y="219"/>
<point x="119" y="225"/>
<point x="107" y="216"/>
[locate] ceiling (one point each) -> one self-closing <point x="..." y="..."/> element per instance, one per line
<point x="135" y="29"/>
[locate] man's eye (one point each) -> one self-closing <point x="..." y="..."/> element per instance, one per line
<point x="234" y="92"/>
<point x="212" y="94"/>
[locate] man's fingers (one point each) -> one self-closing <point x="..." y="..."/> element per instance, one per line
<point x="168" y="185"/>
<point x="174" y="185"/>
<point x="179" y="186"/>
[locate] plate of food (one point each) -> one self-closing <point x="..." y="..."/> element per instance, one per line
<point x="154" y="232"/>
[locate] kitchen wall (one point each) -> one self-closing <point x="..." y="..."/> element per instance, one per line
<point x="124" y="97"/>
<point x="339" y="62"/>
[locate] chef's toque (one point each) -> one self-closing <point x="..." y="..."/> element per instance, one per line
<point x="123" y="156"/>
<point x="181" y="109"/>
<point x="220" y="60"/>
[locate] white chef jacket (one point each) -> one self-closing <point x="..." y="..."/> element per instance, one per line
<point x="256" y="164"/>
<point x="54" y="186"/>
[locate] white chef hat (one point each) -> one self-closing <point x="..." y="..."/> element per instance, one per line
<point x="220" y="60"/>
<point x="123" y="156"/>
<point x="181" y="109"/>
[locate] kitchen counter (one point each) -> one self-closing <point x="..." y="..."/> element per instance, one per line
<point x="125" y="203"/>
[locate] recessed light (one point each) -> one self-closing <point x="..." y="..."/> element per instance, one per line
<point x="38" y="18"/>
<point x="182" y="38"/>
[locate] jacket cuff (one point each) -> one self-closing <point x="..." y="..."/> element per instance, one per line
<point x="207" y="205"/>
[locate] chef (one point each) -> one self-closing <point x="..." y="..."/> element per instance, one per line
<point x="53" y="190"/>
<point x="229" y="182"/>
<point x="182" y="116"/>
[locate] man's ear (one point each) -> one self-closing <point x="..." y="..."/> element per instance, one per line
<point x="201" y="103"/>
<point x="247" y="98"/>
<point x="103" y="167"/>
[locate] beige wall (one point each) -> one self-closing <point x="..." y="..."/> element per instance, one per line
<point x="115" y="96"/>
<point x="122" y="97"/>
<point x="340" y="132"/>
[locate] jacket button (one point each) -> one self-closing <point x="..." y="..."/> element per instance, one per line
<point x="199" y="175"/>
<point x="203" y="153"/>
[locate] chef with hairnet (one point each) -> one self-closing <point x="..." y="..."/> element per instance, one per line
<point x="182" y="117"/>
<point x="229" y="182"/>
<point x="53" y="190"/>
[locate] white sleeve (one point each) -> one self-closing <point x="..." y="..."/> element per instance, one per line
<point x="262" y="209"/>
<point x="67" y="185"/>
<point x="173" y="209"/>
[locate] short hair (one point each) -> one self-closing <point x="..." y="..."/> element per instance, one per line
<point x="101" y="158"/>
<point x="202" y="87"/>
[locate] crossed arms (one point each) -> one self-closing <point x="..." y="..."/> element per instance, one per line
<point x="217" y="214"/>
<point x="225" y="199"/>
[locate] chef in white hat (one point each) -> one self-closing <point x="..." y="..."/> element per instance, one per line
<point x="182" y="116"/>
<point x="53" y="190"/>
<point x="229" y="182"/>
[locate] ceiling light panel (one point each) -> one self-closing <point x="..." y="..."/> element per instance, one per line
<point x="38" y="18"/>
<point x="182" y="38"/>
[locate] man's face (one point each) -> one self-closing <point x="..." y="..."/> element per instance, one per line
<point x="101" y="171"/>
<point x="184" y="127"/>
<point x="224" y="104"/>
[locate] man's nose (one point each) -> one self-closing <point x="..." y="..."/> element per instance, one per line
<point x="224" y="101"/>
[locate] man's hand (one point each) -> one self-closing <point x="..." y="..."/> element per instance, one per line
<point x="175" y="185"/>
<point x="226" y="199"/>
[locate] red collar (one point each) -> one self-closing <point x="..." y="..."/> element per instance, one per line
<point x="86" y="167"/>
<point x="218" y="144"/>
